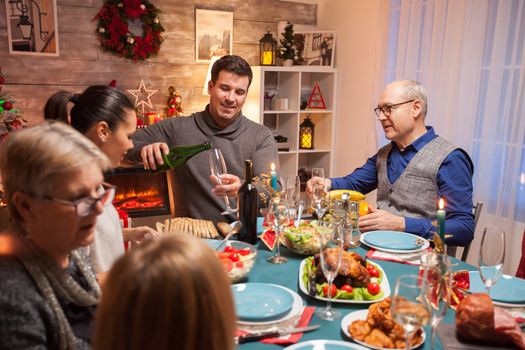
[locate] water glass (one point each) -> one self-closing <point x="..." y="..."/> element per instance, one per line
<point x="281" y="217"/>
<point x="491" y="256"/>
<point x="408" y="308"/>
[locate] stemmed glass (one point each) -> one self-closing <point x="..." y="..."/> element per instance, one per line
<point x="331" y="253"/>
<point x="434" y="271"/>
<point x="293" y="190"/>
<point x="318" y="172"/>
<point x="218" y="168"/>
<point x="491" y="256"/>
<point x="281" y="217"/>
<point x="408" y="308"/>
<point x="320" y="201"/>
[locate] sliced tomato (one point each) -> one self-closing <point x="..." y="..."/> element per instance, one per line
<point x="229" y="249"/>
<point x="347" y="288"/>
<point x="239" y="264"/>
<point x="325" y="291"/>
<point x="244" y="251"/>
<point x="373" y="288"/>
<point x="234" y="257"/>
<point x="223" y="255"/>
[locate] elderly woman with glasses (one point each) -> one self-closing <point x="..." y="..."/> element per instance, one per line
<point x="54" y="185"/>
<point x="107" y="117"/>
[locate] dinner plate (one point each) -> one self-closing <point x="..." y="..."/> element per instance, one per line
<point x="361" y="315"/>
<point x="320" y="344"/>
<point x="261" y="301"/>
<point x="394" y="241"/>
<point x="385" y="287"/>
<point x="508" y="289"/>
<point x="297" y="309"/>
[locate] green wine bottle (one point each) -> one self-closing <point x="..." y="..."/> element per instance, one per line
<point x="179" y="155"/>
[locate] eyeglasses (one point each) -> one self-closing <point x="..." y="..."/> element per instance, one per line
<point x="86" y="206"/>
<point x="387" y="109"/>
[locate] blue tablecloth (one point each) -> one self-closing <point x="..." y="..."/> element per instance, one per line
<point x="288" y="275"/>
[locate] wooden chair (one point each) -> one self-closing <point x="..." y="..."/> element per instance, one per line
<point x="476" y="210"/>
<point x="521" y="267"/>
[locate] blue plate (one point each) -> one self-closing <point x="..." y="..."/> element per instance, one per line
<point x="257" y="302"/>
<point x="393" y="240"/>
<point x="507" y="289"/>
<point x="325" y="345"/>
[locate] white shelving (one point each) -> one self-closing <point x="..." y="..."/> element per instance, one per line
<point x="296" y="84"/>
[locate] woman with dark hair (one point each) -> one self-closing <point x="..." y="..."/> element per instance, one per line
<point x="107" y="117"/>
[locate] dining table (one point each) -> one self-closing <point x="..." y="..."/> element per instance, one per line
<point x="287" y="275"/>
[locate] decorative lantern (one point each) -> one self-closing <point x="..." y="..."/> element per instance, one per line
<point x="267" y="46"/>
<point x="306" y="134"/>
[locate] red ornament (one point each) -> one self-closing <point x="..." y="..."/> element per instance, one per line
<point x="16" y="124"/>
<point x="316" y="100"/>
<point x="7" y="105"/>
<point x="113" y="83"/>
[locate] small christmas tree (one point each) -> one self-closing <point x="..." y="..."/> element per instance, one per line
<point x="287" y="48"/>
<point x="174" y="105"/>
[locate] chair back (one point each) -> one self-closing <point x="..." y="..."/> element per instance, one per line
<point x="476" y="210"/>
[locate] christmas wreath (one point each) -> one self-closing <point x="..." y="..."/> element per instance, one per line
<point x="114" y="34"/>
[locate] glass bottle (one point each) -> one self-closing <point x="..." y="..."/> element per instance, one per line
<point x="247" y="202"/>
<point x="179" y="155"/>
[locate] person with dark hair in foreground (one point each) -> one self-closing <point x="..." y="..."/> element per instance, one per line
<point x="162" y="295"/>
<point x="221" y="123"/>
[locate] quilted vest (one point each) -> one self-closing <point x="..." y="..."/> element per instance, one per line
<point x="414" y="194"/>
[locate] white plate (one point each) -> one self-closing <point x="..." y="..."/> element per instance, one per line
<point x="297" y="308"/>
<point x="320" y="344"/>
<point x="385" y="287"/>
<point x="361" y="315"/>
<point x="425" y="245"/>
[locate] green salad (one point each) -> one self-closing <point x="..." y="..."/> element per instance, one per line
<point x="304" y="239"/>
<point x="371" y="292"/>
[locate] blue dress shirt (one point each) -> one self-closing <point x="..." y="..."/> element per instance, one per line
<point x="454" y="180"/>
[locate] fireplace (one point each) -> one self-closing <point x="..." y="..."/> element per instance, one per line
<point x="141" y="193"/>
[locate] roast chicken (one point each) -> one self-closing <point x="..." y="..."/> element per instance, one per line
<point x="477" y="320"/>
<point x="352" y="271"/>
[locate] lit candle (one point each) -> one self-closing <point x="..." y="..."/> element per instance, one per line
<point x="267" y="58"/>
<point x="273" y="175"/>
<point x="440" y="217"/>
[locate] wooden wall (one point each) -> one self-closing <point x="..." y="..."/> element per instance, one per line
<point x="82" y="62"/>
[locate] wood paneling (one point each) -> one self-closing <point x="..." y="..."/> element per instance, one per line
<point x="82" y="61"/>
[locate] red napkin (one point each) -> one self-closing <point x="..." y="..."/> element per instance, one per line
<point x="380" y="255"/>
<point x="292" y="338"/>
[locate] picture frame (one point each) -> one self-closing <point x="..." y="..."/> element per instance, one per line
<point x="32" y="27"/>
<point x="213" y="34"/>
<point x="315" y="48"/>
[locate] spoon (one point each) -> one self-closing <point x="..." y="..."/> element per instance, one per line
<point x="235" y="227"/>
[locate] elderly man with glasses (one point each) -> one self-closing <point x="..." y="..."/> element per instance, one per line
<point x="412" y="172"/>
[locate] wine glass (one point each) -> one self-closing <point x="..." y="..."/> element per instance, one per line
<point x="218" y="168"/>
<point x="281" y="218"/>
<point x="318" y="172"/>
<point x="293" y="190"/>
<point x="434" y="271"/>
<point x="331" y="253"/>
<point x="319" y="200"/>
<point x="408" y="308"/>
<point x="491" y="256"/>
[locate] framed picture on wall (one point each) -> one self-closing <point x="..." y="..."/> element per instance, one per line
<point x="213" y="34"/>
<point x="32" y="27"/>
<point x="315" y="48"/>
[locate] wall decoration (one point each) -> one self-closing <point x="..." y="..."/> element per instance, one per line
<point x="315" y="48"/>
<point x="142" y="96"/>
<point x="32" y="27"/>
<point x="213" y="34"/>
<point x="287" y="51"/>
<point x="130" y="28"/>
<point x="10" y="116"/>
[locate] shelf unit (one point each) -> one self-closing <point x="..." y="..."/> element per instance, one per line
<point x="296" y="84"/>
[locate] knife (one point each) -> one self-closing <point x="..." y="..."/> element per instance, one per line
<point x="272" y="334"/>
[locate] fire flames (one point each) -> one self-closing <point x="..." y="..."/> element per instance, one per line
<point x="141" y="200"/>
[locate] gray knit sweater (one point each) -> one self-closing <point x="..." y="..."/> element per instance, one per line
<point x="27" y="320"/>
<point x="241" y="140"/>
